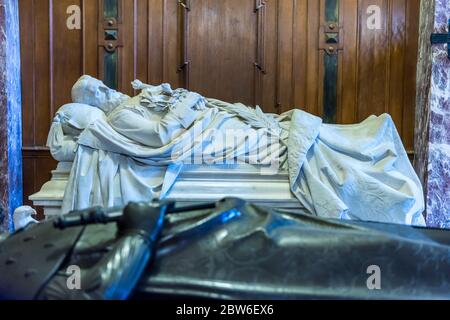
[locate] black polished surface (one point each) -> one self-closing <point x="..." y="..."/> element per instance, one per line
<point x="241" y="251"/>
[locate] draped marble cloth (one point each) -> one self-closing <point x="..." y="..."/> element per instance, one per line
<point x="356" y="172"/>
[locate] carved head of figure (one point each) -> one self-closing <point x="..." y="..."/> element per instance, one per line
<point x="93" y="92"/>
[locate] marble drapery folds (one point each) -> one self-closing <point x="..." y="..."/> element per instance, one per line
<point x="355" y="172"/>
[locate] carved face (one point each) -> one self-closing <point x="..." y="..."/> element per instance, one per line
<point x="93" y="92"/>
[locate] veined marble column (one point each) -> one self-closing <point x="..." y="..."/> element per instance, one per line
<point x="433" y="114"/>
<point x="10" y="113"/>
<point x="439" y="145"/>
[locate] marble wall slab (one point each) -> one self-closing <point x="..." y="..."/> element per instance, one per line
<point x="438" y="211"/>
<point x="10" y="112"/>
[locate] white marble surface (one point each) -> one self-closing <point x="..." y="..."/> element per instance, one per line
<point x="196" y="184"/>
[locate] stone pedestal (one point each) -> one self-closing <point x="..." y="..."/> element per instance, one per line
<point x="51" y="195"/>
<point x="10" y="113"/>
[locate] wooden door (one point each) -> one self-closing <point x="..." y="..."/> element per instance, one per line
<point x="323" y="56"/>
<point x="229" y="47"/>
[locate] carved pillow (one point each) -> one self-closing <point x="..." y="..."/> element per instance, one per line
<point x="75" y="117"/>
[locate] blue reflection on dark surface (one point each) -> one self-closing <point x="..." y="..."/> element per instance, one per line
<point x="230" y="215"/>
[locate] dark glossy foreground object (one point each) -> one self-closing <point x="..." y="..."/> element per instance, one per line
<point x="230" y="250"/>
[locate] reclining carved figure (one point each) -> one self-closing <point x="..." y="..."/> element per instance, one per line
<point x="132" y="149"/>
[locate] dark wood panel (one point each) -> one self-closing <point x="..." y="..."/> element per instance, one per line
<point x="142" y="43"/>
<point x="27" y="37"/>
<point x="172" y="25"/>
<point x="410" y="70"/>
<point x="312" y="63"/>
<point x="129" y="51"/>
<point x="41" y="69"/>
<point x="285" y="61"/>
<point x="222" y="49"/>
<point x="90" y="39"/>
<point x="349" y="96"/>
<point x="397" y="54"/>
<point x="300" y="55"/>
<point x="266" y="94"/>
<point x="66" y="50"/>
<point x="156" y="35"/>
<point x="373" y="70"/>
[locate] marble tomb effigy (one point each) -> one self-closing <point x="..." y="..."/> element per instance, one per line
<point x="176" y="144"/>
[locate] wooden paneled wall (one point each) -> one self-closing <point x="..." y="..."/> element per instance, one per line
<point x="266" y="52"/>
